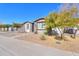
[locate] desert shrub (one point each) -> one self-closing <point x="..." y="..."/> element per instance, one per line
<point x="43" y="37"/>
<point x="46" y="33"/>
<point x="35" y="32"/>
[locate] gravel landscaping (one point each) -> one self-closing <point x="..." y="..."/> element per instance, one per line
<point x="69" y="44"/>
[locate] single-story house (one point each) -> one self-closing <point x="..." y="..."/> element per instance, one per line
<point x="26" y="27"/>
<point x="39" y="25"/>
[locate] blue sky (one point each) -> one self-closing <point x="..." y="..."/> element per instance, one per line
<point x="21" y="12"/>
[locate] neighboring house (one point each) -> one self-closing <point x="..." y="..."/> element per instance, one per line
<point x="26" y="27"/>
<point x="10" y="29"/>
<point x="39" y="25"/>
<point x="14" y="29"/>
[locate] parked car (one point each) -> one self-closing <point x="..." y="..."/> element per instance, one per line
<point x="70" y="30"/>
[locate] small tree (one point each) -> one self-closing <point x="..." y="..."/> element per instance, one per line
<point x="16" y="25"/>
<point x="1" y="25"/>
<point x="60" y="20"/>
<point x="7" y="26"/>
<point x="50" y="22"/>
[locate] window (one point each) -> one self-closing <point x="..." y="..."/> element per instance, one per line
<point x="41" y="25"/>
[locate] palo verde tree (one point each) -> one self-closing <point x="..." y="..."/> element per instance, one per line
<point x="68" y="17"/>
<point x="61" y="20"/>
<point x="50" y="22"/>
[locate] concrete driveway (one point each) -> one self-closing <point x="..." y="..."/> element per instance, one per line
<point x="14" y="47"/>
